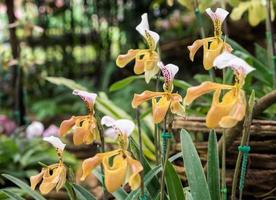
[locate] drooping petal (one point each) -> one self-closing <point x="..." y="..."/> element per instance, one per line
<point x="79" y="134"/>
<point x="138" y="99"/>
<point x="66" y="125"/>
<point x="62" y="178"/>
<point x="134" y="179"/>
<point x="55" y="141"/>
<point x="160" y="108"/>
<point x="220" y="14"/>
<point x="89" y="164"/>
<point x="87" y="97"/>
<point x="236" y="114"/>
<point x="115" y="174"/>
<point x="204" y="88"/>
<point x="229" y="60"/>
<point x="36" y="179"/>
<point x="149" y="74"/>
<point x="143" y="28"/>
<point x="219" y="109"/>
<point x="150" y="61"/>
<point x="125" y="126"/>
<point x="124" y="59"/>
<point x="139" y="66"/>
<point x="194" y="48"/>
<point x="176" y="106"/>
<point x="256" y="13"/>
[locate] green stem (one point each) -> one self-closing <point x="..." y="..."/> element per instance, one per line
<point x="162" y="196"/>
<point x="101" y="133"/>
<point x="140" y="149"/>
<point x="223" y="168"/>
<point x="270" y="42"/>
<point x="244" y="141"/>
<point x="156" y="135"/>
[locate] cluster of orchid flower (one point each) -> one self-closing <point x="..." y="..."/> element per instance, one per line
<point x="224" y="113"/>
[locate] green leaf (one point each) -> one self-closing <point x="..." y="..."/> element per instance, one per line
<point x="173" y="183"/>
<point x="70" y="191"/>
<point x="194" y="170"/>
<point x="82" y="193"/>
<point x="12" y="195"/>
<point x="123" y="83"/>
<point x="154" y="185"/>
<point x="213" y="166"/>
<point x="65" y="82"/>
<point x="26" y="188"/>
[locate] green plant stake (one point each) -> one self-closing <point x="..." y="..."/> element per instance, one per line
<point x="245" y="151"/>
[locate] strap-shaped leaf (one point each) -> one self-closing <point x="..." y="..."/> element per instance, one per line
<point x="194" y="171"/>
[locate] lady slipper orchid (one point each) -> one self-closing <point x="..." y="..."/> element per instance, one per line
<point x="167" y="99"/>
<point x="145" y="59"/>
<point x="85" y="129"/>
<point x="212" y="46"/>
<point x="256" y="11"/>
<point x="119" y="166"/>
<point x="53" y="176"/>
<point x="228" y="111"/>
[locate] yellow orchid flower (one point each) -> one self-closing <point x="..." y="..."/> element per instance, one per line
<point x="167" y="99"/>
<point x="53" y="176"/>
<point x="85" y="129"/>
<point x="212" y="46"/>
<point x="256" y="11"/>
<point x="145" y="59"/>
<point x="228" y="111"/>
<point x="124" y="169"/>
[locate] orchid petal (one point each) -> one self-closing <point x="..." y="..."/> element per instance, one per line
<point x="209" y="54"/>
<point x="160" y="108"/>
<point x="149" y="74"/>
<point x="169" y="71"/>
<point x="219" y="109"/>
<point x="36" y="179"/>
<point x="124" y="59"/>
<point x="220" y="14"/>
<point x="194" y="48"/>
<point x="143" y="28"/>
<point x="86" y="96"/>
<point x="138" y="99"/>
<point x="108" y="121"/>
<point x="125" y="126"/>
<point x="238" y="11"/>
<point x="66" y="125"/>
<point x="134" y="179"/>
<point x="36" y="128"/>
<point x="229" y="60"/>
<point x="204" y="88"/>
<point x="176" y="106"/>
<point x="111" y="133"/>
<point x="55" y="141"/>
<point x="114" y="174"/>
<point x="79" y="135"/>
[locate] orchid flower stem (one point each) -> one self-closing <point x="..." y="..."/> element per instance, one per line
<point x="164" y="155"/>
<point x="223" y="168"/>
<point x="156" y="128"/>
<point x="101" y="133"/>
<point x="270" y="42"/>
<point x="140" y="149"/>
<point x="244" y="143"/>
<point x="202" y="33"/>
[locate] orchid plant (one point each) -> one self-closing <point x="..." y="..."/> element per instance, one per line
<point x="119" y="166"/>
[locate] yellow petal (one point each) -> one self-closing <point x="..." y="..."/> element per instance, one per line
<point x="89" y="164"/>
<point x="194" y="48"/>
<point x="170" y="2"/>
<point x="134" y="179"/>
<point x="151" y="73"/>
<point x="50" y="178"/>
<point x="236" y="114"/>
<point x="115" y="174"/>
<point x="139" y="66"/>
<point x="124" y="59"/>
<point x="221" y="109"/>
<point x="36" y="179"/>
<point x="256" y="13"/>
<point x="238" y="11"/>
<point x="79" y="135"/>
<point x="138" y="99"/>
<point x="210" y="53"/>
<point x="151" y="59"/>
<point x="62" y="178"/>
<point x="176" y="106"/>
<point x="160" y="108"/>
<point x="66" y="125"/>
<point x="204" y="88"/>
